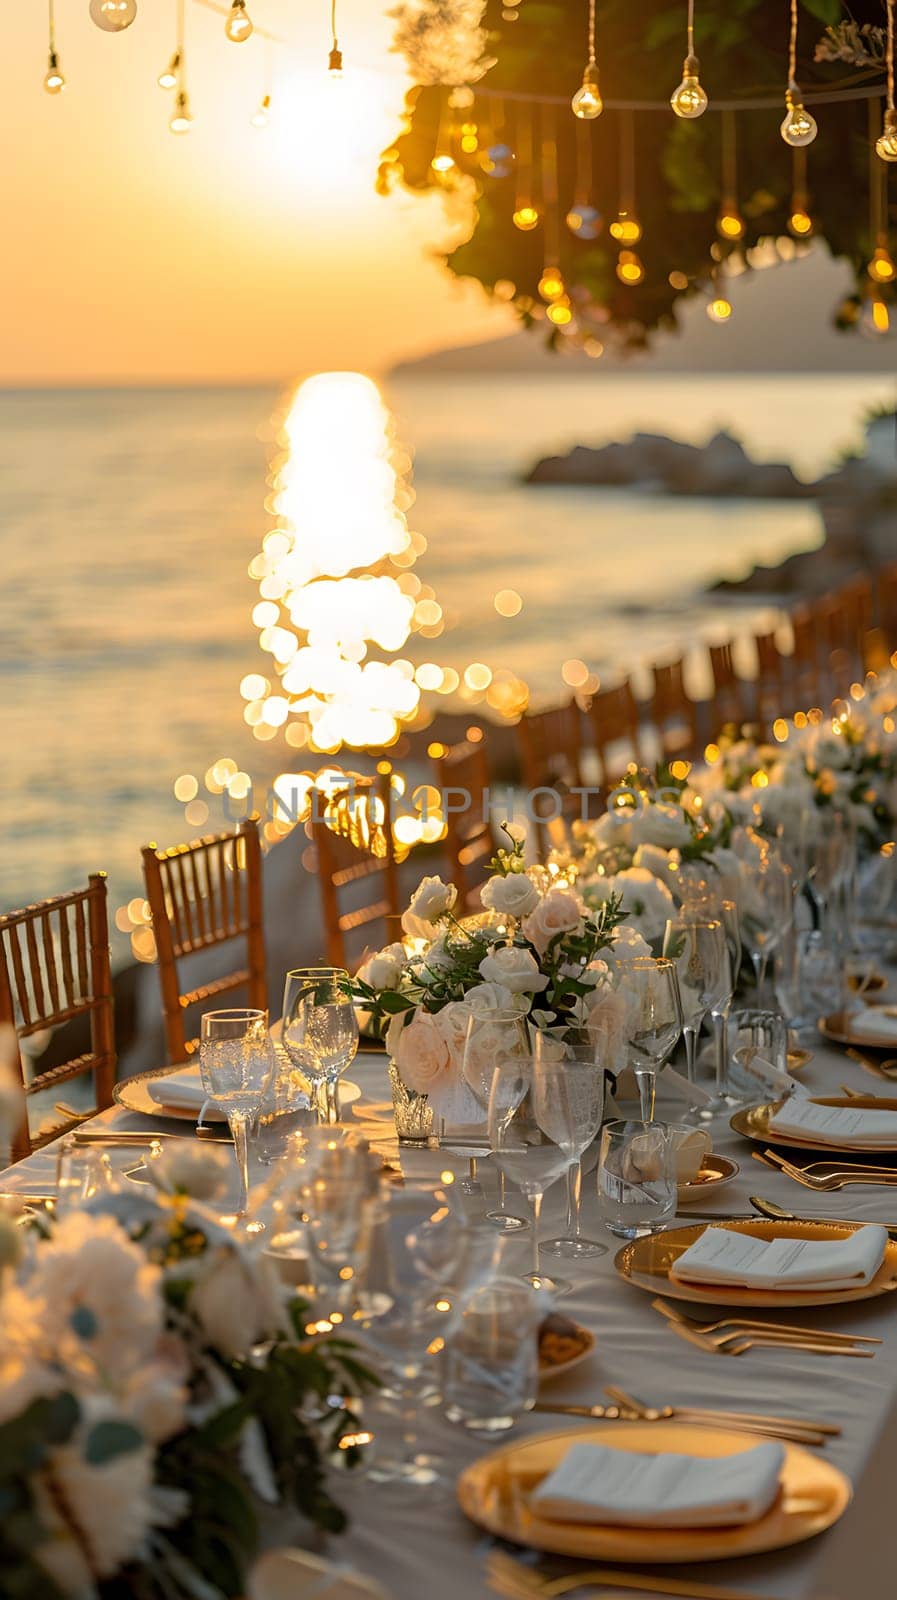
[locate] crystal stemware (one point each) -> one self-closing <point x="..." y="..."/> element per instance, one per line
<point x="492" y="1037"/>
<point x="236" y="1063"/>
<point x="524" y="1150"/>
<point x="320" y="1030"/>
<point x="767" y="910"/>
<point x="653" y="1021"/>
<point x="568" y="1102"/>
<point x="697" y="946"/>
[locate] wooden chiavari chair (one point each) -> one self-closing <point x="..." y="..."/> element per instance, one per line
<point x="886" y="603"/>
<point x="464" y="771"/>
<point x="203" y="894"/>
<point x="54" y="967"/>
<point x="729" y="703"/>
<point x="805" y="685"/>
<point x="353" y="836"/>
<point x="550" y="751"/>
<point x="673" y="713"/>
<point x="615" y="721"/>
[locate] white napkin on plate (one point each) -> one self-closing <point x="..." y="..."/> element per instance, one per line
<point x="595" y="1483"/>
<point x="872" y="1021"/>
<point x="726" y="1256"/>
<point x="184" y="1091"/>
<point x="848" y="1127"/>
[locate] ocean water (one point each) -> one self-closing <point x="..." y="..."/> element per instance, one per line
<point x="128" y="519"/>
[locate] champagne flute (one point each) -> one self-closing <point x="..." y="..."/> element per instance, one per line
<point x="654" y="1021"/>
<point x="320" y="1030"/>
<point x="568" y="1102"/>
<point x="697" y="946"/>
<point x="236" y="1063"/>
<point x="492" y="1037"/>
<point x="524" y="1150"/>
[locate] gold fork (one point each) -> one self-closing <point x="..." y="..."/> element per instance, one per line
<point x="757" y="1421"/>
<point x="829" y="1184"/>
<point x="744" y="1324"/>
<point x="509" y="1577"/>
<point x="826" y="1169"/>
<point x="738" y="1344"/>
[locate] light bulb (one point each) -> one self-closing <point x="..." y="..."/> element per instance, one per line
<point x="335" y="62"/>
<point x="630" y="269"/>
<point x="442" y="163"/>
<point x="875" y="318"/>
<point x="551" y="284"/>
<point x="54" y="82"/>
<point x="238" y="26"/>
<point x="800" y="223"/>
<point x="689" y="100"/>
<point x="526" y="217"/>
<point x="587" y="103"/>
<point x="560" y="312"/>
<point x="886" y="143"/>
<point x="729" y="224"/>
<point x="798" y="127"/>
<point x="881" y="268"/>
<point x="498" y="161"/>
<point x="181" y="120"/>
<point x="168" y="78"/>
<point x="262" y="115"/>
<point x="719" y="309"/>
<point x="584" y="221"/>
<point x="626" y="229"/>
<point x="113" y="16"/>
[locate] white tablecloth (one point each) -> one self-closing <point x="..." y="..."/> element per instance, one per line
<point x="421" y="1547"/>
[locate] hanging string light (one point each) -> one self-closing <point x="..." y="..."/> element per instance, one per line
<point x="583" y="219"/>
<point x="800" y="223"/>
<point x="880" y="269"/>
<point x="886" y="143"/>
<point x="689" y="100"/>
<point x="587" y="102"/>
<point x="526" y="214"/>
<point x="54" y="82"/>
<point x="443" y="161"/>
<point x="798" y="127"/>
<point x="626" y="228"/>
<point x="551" y="283"/>
<point x="719" y="306"/>
<point x="335" y="59"/>
<point x="112" y="16"/>
<point x="238" y="26"/>
<point x="730" y="223"/>
<point x="181" y="119"/>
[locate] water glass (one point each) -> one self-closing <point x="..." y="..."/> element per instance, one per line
<point x="697" y="945"/>
<point x="767" y="909"/>
<point x="637" y="1190"/>
<point x="285" y="1111"/>
<point x="523" y="1150"/>
<point x="320" y="1030"/>
<point x="492" y="1373"/>
<point x="237" y="1062"/>
<point x="568" y="1101"/>
<point x="81" y="1172"/>
<point x="762" y="1034"/>
<point x="494" y="1036"/>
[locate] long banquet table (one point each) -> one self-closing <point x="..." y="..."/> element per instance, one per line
<point x="417" y="1542"/>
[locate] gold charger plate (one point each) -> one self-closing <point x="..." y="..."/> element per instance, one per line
<point x="132" y="1093"/>
<point x="715" y="1171"/>
<point x="837" y="1028"/>
<point x="754" y="1123"/>
<point x="646" y="1263"/>
<point x="494" y="1492"/>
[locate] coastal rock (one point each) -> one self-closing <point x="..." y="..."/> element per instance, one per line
<point x="721" y="467"/>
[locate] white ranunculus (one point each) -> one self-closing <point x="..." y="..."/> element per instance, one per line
<point x="236" y="1298"/>
<point x="560" y="911"/>
<point x="646" y="901"/>
<point x="511" y="896"/>
<point x="514" y="968"/>
<point x="432" y="900"/>
<point x="384" y="970"/>
<point x="660" y="823"/>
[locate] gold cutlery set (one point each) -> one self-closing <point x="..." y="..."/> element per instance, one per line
<point x="512" y="1578"/>
<point x="734" y="1336"/>
<point x="828" y="1175"/>
<point x="626" y="1408"/>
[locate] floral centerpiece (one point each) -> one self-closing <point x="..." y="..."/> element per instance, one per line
<point x="537" y="948"/>
<point x="155" y="1384"/>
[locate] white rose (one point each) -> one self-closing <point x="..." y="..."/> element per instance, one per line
<point x="660" y="823"/>
<point x="384" y="970"/>
<point x="514" y="968"/>
<point x="559" y="912"/>
<point x="664" y="864"/>
<point x="614" y="829"/>
<point x="513" y="896"/>
<point x="431" y="901"/>
<point x="237" y="1300"/>
<point x="420" y="1052"/>
<point x="646" y="901"/>
<point x="494" y="997"/>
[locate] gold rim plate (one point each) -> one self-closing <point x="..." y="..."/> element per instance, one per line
<point x="753" y="1122"/>
<point x="837" y="1028"/>
<point x="546" y="1373"/>
<point x="494" y="1492"/>
<point x="646" y="1263"/>
<point x="132" y="1093"/>
<point x="715" y="1171"/>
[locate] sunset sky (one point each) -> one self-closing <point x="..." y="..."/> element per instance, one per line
<point x="229" y="254"/>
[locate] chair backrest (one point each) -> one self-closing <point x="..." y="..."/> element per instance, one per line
<point x="615" y="722"/>
<point x="462" y="776"/>
<point x="201" y="895"/>
<point x="54" y="966"/>
<point x="885" y="596"/>
<point x="550" y="744"/>
<point x="352" y="833"/>
<point x="729" y="700"/>
<point x="673" y="712"/>
<point x="806" y="680"/>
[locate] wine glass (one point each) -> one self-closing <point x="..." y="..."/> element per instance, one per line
<point x="236" y="1063"/>
<point x="767" y="910"/>
<point x="719" y="1013"/>
<point x="523" y="1149"/>
<point x="492" y="1037"/>
<point x="654" y="1021"/>
<point x="697" y="946"/>
<point x="320" y="1030"/>
<point x="831" y="863"/>
<point x="568" y="1102"/>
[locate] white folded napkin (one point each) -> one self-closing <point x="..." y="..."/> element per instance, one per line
<point x="184" y="1091"/>
<point x="725" y="1256"/>
<point x="594" y="1483"/>
<point x="872" y="1020"/>
<point x="851" y="1128"/>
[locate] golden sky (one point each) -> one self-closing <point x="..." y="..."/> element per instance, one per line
<point x="229" y="254"/>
